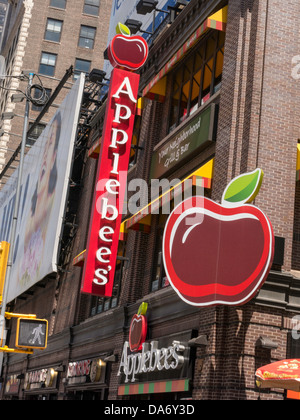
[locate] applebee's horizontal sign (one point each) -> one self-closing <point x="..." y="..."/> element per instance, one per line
<point x="142" y="357"/>
<point x="150" y="359"/>
<point x="219" y="254"/>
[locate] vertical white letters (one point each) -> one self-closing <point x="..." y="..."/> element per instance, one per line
<point x="109" y="189"/>
<point x="128" y="91"/>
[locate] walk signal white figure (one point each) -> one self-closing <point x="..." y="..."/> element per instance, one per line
<point x="38" y="332"/>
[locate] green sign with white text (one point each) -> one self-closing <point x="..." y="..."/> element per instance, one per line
<point x="194" y="136"/>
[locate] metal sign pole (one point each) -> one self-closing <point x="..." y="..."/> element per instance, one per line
<point x="14" y="225"/>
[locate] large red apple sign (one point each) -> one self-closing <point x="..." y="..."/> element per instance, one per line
<point x="138" y="329"/>
<point x="219" y="254"/>
<point x="126" y="51"/>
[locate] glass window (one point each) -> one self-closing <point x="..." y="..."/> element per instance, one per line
<point x="37" y="95"/>
<point x="159" y="279"/>
<point x="87" y="37"/>
<point x="53" y="30"/>
<point x="61" y="4"/>
<point x="47" y="64"/>
<point x="35" y="133"/>
<point x="135" y="141"/>
<point x="91" y="7"/>
<point x="81" y="66"/>
<point x="104" y="304"/>
<point x="197" y="78"/>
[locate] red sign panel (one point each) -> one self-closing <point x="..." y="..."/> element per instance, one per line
<point x="219" y="254"/>
<point x="102" y="248"/>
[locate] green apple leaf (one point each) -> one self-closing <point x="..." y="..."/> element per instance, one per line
<point x="243" y="189"/>
<point x="122" y="29"/>
<point x="143" y="309"/>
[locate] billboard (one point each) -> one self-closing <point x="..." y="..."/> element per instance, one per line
<point x="44" y="189"/>
<point x="126" y="9"/>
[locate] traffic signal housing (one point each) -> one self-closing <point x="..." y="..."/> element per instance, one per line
<point x="32" y="333"/>
<point x="4" y="251"/>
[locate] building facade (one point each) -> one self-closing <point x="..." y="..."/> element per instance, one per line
<point x="229" y="63"/>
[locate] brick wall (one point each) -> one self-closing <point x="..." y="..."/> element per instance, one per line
<point x="259" y="110"/>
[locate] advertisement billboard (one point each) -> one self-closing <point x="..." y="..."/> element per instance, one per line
<point x="44" y="189"/>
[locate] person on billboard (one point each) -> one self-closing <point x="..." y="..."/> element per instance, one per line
<point x="41" y="205"/>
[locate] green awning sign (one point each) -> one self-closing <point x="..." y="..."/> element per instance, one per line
<point x="197" y="134"/>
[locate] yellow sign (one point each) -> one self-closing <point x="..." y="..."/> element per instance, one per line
<point x="4" y="251"/>
<point x="32" y="333"/>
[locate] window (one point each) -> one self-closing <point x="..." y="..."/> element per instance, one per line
<point x="135" y="141"/>
<point x="159" y="279"/>
<point x="91" y="7"/>
<point x="53" y="30"/>
<point x="87" y="37"/>
<point x="81" y="66"/>
<point x="47" y="64"/>
<point x="61" y="4"/>
<point x="35" y="133"/>
<point x="37" y="95"/>
<point x="197" y="78"/>
<point x="100" y="305"/>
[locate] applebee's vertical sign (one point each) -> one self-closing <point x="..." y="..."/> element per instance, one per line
<point x="126" y="54"/>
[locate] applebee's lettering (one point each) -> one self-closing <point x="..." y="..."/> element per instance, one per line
<point x="124" y="52"/>
<point x="110" y="188"/>
<point x="150" y="359"/>
<point x="110" y="212"/>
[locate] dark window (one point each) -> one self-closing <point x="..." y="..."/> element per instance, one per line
<point x="100" y="305"/>
<point x="53" y="30"/>
<point x="35" y="133"/>
<point x="81" y="66"/>
<point x="87" y="37"/>
<point x="197" y="78"/>
<point x="293" y="342"/>
<point x="159" y="279"/>
<point x="47" y="64"/>
<point x="61" y="4"/>
<point x="37" y="95"/>
<point x="135" y="141"/>
<point x="91" y="7"/>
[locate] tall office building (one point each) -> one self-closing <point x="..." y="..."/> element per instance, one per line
<point x="47" y="37"/>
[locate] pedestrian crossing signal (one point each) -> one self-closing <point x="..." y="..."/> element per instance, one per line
<point x="32" y="333"/>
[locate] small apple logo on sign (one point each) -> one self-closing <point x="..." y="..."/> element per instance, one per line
<point x="219" y="254"/>
<point x="126" y="51"/>
<point x="138" y="329"/>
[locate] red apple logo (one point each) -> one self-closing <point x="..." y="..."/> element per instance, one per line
<point x="138" y="329"/>
<point x="126" y="51"/>
<point x="219" y="254"/>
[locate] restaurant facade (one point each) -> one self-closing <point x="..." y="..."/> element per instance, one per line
<point x="217" y="98"/>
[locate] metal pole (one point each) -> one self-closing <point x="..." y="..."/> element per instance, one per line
<point x="14" y="225"/>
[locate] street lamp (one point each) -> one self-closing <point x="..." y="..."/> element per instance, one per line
<point x="135" y="26"/>
<point x="146" y="6"/>
<point x="97" y="75"/>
